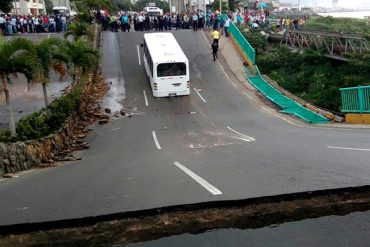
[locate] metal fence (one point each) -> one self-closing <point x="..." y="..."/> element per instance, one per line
<point x="356" y="99"/>
<point x="243" y="43"/>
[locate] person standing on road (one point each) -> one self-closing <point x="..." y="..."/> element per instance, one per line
<point x="2" y="25"/>
<point x="214" y="50"/>
<point x="63" y="21"/>
<point x="226" y="26"/>
<point x="195" y="21"/>
<point x="216" y="36"/>
<point x="141" y="22"/>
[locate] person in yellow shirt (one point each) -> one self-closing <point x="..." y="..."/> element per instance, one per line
<point x="216" y="35"/>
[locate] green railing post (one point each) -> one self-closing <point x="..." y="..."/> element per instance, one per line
<point x="360" y="92"/>
<point x="356" y="99"/>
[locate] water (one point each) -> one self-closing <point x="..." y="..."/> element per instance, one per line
<point x="355" y="14"/>
<point x="350" y="230"/>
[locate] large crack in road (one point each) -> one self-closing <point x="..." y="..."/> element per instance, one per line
<point x="144" y="225"/>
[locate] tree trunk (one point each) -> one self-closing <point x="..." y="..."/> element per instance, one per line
<point x="74" y="77"/>
<point x="9" y="107"/>
<point x="45" y="94"/>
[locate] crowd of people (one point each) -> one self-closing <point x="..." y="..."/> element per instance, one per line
<point x="291" y="23"/>
<point x="124" y="21"/>
<point x="13" y="24"/>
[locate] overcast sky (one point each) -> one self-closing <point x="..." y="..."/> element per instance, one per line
<point x="328" y="3"/>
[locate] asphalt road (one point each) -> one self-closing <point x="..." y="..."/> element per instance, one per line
<point x="215" y="144"/>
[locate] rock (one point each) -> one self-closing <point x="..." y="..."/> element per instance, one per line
<point x="123" y="113"/>
<point x="103" y="121"/>
<point x="80" y="136"/>
<point x="6" y="162"/>
<point x="116" y="114"/>
<point x="129" y="116"/>
<point x="107" y="110"/>
<point x="69" y="158"/>
<point x="8" y="175"/>
<point x="165" y="127"/>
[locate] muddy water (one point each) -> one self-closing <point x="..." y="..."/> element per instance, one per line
<point x="350" y="230"/>
<point x="115" y="94"/>
<point x="111" y="68"/>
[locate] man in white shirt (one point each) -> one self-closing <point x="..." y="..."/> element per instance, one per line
<point x="63" y="20"/>
<point x="141" y="22"/>
<point x="226" y="26"/>
<point x="2" y="24"/>
<point x="14" y="24"/>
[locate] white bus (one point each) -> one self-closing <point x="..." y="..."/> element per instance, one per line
<point x="166" y="65"/>
<point x="153" y="11"/>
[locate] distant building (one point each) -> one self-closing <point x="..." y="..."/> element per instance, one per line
<point x="61" y="3"/>
<point x="30" y="7"/>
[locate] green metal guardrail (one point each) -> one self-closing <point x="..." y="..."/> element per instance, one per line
<point x="356" y="99"/>
<point x="253" y="74"/>
<point x="288" y="105"/>
<point x="243" y="43"/>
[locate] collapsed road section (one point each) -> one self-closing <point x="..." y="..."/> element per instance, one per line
<point x="143" y="225"/>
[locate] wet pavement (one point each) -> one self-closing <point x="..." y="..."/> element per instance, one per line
<point x="350" y="230"/>
<point x="112" y="73"/>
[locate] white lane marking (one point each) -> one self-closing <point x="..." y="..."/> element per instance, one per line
<point x="115" y="129"/>
<point x="200" y="146"/>
<point x="145" y="98"/>
<point x="346" y="148"/>
<point x="201" y="181"/>
<point x="156" y="140"/>
<point x="201" y="97"/>
<point x="24" y="208"/>
<point x="250" y="138"/>
<point x="138" y="54"/>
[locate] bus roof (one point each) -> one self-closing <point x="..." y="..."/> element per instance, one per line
<point x="164" y="48"/>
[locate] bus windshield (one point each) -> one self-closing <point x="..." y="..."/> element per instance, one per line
<point x="171" y="69"/>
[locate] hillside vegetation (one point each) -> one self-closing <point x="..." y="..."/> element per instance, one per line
<point x="313" y="76"/>
<point x="344" y="25"/>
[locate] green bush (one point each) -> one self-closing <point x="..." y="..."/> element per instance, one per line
<point x="345" y="25"/>
<point x="256" y="39"/>
<point x="46" y="121"/>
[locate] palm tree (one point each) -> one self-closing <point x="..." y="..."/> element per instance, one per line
<point x="16" y="56"/>
<point x="78" y="30"/>
<point x="50" y="55"/>
<point x="82" y="58"/>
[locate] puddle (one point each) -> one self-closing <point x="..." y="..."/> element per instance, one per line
<point x="115" y="95"/>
